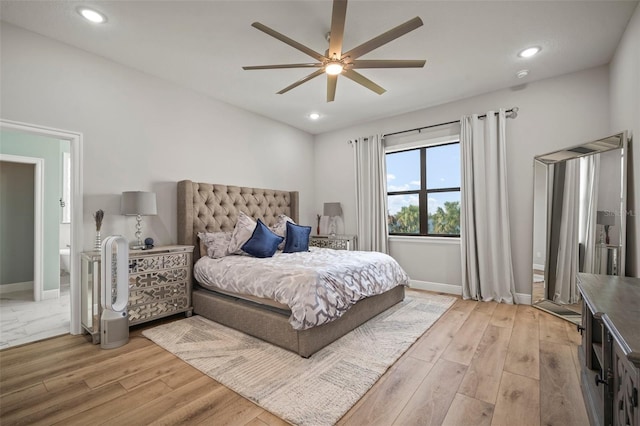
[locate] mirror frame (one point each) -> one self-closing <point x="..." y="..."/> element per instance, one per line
<point x="609" y="143"/>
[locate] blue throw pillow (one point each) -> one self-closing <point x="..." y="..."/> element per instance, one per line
<point x="297" y="238"/>
<point x="263" y="242"/>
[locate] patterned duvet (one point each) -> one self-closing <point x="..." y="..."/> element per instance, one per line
<point x="319" y="286"/>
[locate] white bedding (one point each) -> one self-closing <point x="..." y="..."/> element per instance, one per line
<point x="318" y="286"/>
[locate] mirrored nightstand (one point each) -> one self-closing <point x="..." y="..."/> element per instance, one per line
<point x="336" y="242"/>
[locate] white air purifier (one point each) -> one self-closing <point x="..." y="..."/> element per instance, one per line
<point x="114" y="322"/>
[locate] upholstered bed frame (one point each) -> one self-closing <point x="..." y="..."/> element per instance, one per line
<point x="206" y="207"/>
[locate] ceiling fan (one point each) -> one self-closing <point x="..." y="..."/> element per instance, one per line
<point x="337" y="62"/>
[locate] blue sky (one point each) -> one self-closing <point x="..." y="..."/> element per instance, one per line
<point x="443" y="171"/>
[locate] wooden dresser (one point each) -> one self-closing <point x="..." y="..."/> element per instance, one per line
<point x="610" y="350"/>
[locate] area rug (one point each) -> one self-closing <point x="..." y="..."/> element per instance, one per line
<point x="314" y="391"/>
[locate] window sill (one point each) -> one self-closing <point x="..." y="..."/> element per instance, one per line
<point x="424" y="240"/>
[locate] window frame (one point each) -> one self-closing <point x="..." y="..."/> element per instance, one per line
<point x="423" y="192"/>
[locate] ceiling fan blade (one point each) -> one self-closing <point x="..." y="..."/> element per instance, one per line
<point x="387" y="63"/>
<point x="332" y="81"/>
<point x="361" y="79"/>
<point x="273" y="67"/>
<point x="283" y="38"/>
<point x="338" y="18"/>
<point x="303" y="80"/>
<point x="384" y="38"/>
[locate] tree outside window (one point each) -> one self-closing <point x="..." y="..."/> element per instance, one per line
<point x="423" y="191"/>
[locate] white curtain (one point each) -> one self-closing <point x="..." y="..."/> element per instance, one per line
<point x="371" y="193"/>
<point x="565" y="290"/>
<point x="487" y="271"/>
<point x="589" y="177"/>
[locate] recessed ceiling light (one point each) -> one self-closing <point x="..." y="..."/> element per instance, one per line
<point x="314" y="116"/>
<point x="92" y="16"/>
<point x="529" y="52"/>
<point x="522" y="73"/>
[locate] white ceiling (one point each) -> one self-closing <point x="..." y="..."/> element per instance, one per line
<point x="470" y="46"/>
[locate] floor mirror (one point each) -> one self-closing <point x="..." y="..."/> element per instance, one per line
<point x="579" y="221"/>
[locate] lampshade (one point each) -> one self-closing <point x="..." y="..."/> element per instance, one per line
<point x="138" y="203"/>
<point x="332" y="209"/>
<point x="606" y="218"/>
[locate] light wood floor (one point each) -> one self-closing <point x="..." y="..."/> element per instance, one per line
<point x="480" y="364"/>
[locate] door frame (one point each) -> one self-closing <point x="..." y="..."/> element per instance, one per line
<point x="76" y="144"/>
<point x="38" y="217"/>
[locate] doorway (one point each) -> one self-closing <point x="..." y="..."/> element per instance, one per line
<point x="74" y="214"/>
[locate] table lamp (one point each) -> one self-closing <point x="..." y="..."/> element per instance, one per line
<point x="138" y="203"/>
<point x="332" y="210"/>
<point x="606" y="219"/>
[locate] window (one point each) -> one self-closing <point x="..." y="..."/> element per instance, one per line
<point x="423" y="190"/>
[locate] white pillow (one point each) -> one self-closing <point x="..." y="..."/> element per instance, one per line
<point x="216" y="244"/>
<point x="241" y="233"/>
<point x="280" y="228"/>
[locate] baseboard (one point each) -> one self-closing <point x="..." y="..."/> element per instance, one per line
<point x="13" y="287"/>
<point x="437" y="287"/>
<point x="523" y="299"/>
<point x="520" y="298"/>
<point x="51" y="294"/>
<point x="538" y="267"/>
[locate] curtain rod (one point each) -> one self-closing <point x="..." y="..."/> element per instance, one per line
<point x="511" y="113"/>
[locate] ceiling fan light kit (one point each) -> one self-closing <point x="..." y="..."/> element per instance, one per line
<point x="336" y="62"/>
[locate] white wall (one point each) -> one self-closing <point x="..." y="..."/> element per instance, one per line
<point x="625" y="115"/>
<point x="554" y="113"/>
<point x="143" y="133"/>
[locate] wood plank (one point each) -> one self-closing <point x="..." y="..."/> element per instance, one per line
<point x="87" y="372"/>
<point x="13" y="400"/>
<point x="21" y="378"/>
<point x="572" y="331"/>
<point x="238" y="411"/>
<point x="129" y="401"/>
<point x="503" y="315"/>
<point x="464" y="305"/>
<point x="40" y="349"/>
<point x="439" y="336"/>
<point x="386" y="399"/>
<point x="524" y="347"/>
<point x="528" y="313"/>
<point x="466" y="411"/>
<point x="69" y="406"/>
<point x="561" y="400"/>
<point x="151" y="373"/>
<point x="482" y="378"/>
<point x="207" y="405"/>
<point x="518" y="401"/>
<point x="149" y="412"/>
<point x="552" y="328"/>
<point x="430" y="403"/>
<point x="467" y="339"/>
<point x="43" y="402"/>
<point x="154" y="357"/>
<point x="486" y="307"/>
<point x="183" y="375"/>
<point x="271" y="420"/>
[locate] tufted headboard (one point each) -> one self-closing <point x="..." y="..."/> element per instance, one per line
<point x="205" y="207"/>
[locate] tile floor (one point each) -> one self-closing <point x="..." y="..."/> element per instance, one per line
<point x="22" y="320"/>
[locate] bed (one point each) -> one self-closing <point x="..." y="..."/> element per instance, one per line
<point x="204" y="207"/>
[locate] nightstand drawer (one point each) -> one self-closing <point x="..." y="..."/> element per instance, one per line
<point x="151" y="263"/>
<point x="155" y="278"/>
<point x="163" y="308"/>
<point x="156" y="293"/>
<point x="336" y="242"/>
